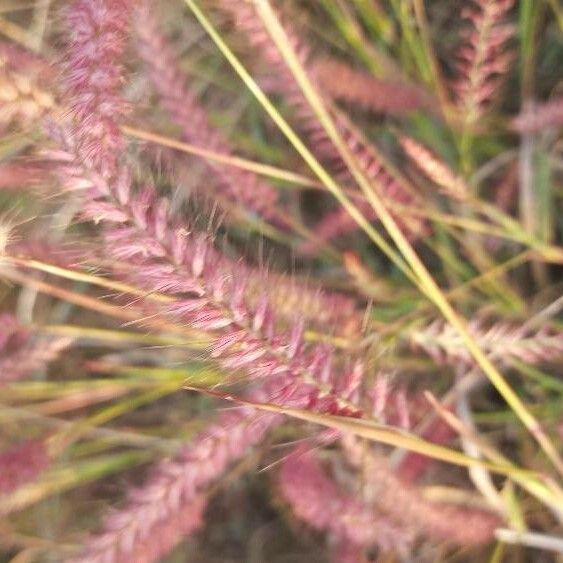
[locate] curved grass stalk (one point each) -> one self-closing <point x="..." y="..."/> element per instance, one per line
<point x="382" y="434"/>
<point x="530" y="539"/>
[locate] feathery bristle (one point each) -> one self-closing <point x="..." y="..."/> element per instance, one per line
<point x="434" y="168"/>
<point x="343" y="82"/>
<point x="319" y="502"/>
<point x="483" y="59"/>
<point x="501" y="340"/>
<point x="21" y="353"/>
<point x="241" y="186"/>
<point x="404" y="504"/>
<point x="97" y="37"/>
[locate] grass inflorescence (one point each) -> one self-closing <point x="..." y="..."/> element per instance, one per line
<point x="280" y="281"/>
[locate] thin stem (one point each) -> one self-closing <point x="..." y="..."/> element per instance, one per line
<point x="530" y="539"/>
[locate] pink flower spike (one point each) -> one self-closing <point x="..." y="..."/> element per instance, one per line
<point x="21" y="464"/>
